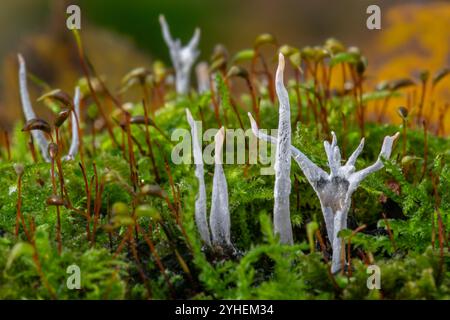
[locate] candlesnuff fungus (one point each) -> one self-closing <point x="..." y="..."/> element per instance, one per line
<point x="28" y="111"/>
<point x="335" y="189"/>
<point x="182" y="57"/>
<point x="73" y="150"/>
<point x="200" y="202"/>
<point x="31" y="118"/>
<point x="219" y="219"/>
<point x="282" y="190"/>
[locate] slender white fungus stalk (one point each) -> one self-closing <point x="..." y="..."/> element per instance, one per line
<point x="200" y="202"/>
<point x="219" y="219"/>
<point x="282" y="190"/>
<point x="183" y="58"/>
<point x="28" y="111"/>
<point x="75" y="143"/>
<point x="335" y="189"/>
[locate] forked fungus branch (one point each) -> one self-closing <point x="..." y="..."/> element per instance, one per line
<point x="183" y="58"/>
<point x="336" y="188"/>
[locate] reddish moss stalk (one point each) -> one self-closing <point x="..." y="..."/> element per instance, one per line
<point x="323" y="247"/>
<point x="214" y="101"/>
<point x="155" y="254"/>
<point x="132" y="161"/>
<point x="31" y="240"/>
<point x="422" y="101"/>
<point x="149" y="144"/>
<point x="32" y="149"/>
<point x="87" y="190"/>
<point x="135" y="254"/>
<point x="425" y="150"/>
<point x="299" y="117"/>
<point x="85" y="68"/>
<point x="97" y="202"/>
<point x="391" y="235"/>
<point x="266" y="72"/>
<point x="349" y="257"/>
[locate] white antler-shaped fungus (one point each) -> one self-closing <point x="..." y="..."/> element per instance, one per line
<point x="182" y="57"/>
<point x="335" y="189"/>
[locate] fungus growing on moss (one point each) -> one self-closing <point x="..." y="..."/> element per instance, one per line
<point x="31" y="118"/>
<point x="28" y="111"/>
<point x="282" y="190"/>
<point x="336" y="188"/>
<point x="219" y="219"/>
<point x="182" y="57"/>
<point x="200" y="202"/>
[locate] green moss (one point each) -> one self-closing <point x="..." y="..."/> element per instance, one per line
<point x="125" y="262"/>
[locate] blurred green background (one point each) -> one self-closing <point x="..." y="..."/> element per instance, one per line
<point x="120" y="35"/>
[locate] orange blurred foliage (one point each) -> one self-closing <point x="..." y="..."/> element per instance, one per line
<point x="414" y="38"/>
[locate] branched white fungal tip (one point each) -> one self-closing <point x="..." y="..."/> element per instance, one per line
<point x="189" y="117"/>
<point x="280" y="69"/>
<point x="182" y="57"/>
<point x="21" y="60"/>
<point x="75" y="143"/>
<point x="334" y="140"/>
<point x="193" y="43"/>
<point x="334" y="190"/>
<point x="162" y="19"/>
<point x="352" y="160"/>
<point x="386" y="149"/>
<point x="253" y="124"/>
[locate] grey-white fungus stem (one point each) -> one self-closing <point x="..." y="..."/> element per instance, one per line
<point x="282" y="189"/>
<point x="385" y="153"/>
<point x="182" y="58"/>
<point x="28" y="111"/>
<point x="200" y="202"/>
<point x="334" y="190"/>
<point x="219" y="219"/>
<point x="311" y="171"/>
<point x="75" y="116"/>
